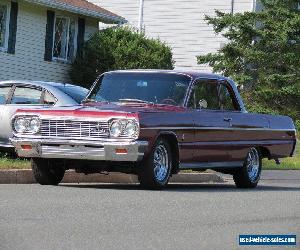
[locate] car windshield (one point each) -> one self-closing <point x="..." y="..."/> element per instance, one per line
<point x="139" y="87"/>
<point x="77" y="93"/>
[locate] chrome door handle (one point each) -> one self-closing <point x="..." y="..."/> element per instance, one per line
<point x="227" y="119"/>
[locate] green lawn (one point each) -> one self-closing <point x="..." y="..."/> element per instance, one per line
<point x="8" y="163"/>
<point x="287" y="163"/>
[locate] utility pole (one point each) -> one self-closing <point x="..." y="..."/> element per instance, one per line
<point x="141" y="16"/>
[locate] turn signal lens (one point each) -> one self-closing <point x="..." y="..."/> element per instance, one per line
<point x="121" y="151"/>
<point x="26" y="147"/>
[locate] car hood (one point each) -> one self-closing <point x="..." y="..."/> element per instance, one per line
<point x="104" y="109"/>
<point x="133" y="107"/>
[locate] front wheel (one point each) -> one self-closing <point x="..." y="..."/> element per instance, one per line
<point x="47" y="172"/>
<point x="155" y="171"/>
<point x="249" y="175"/>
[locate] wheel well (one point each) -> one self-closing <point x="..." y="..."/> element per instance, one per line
<point x="265" y="153"/>
<point x="172" y="139"/>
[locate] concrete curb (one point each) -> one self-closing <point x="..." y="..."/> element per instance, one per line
<point x="24" y="176"/>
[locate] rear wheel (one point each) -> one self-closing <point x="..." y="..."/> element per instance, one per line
<point x="155" y="171"/>
<point x="47" y="172"/>
<point x="248" y="176"/>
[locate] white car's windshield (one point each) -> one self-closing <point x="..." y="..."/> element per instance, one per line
<point x="139" y="87"/>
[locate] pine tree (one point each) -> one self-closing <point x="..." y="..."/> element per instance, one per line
<point x="263" y="54"/>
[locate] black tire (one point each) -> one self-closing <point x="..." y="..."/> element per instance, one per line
<point x="243" y="177"/>
<point x="47" y="172"/>
<point x="149" y="176"/>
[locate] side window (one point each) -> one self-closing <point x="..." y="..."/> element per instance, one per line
<point x="49" y="99"/>
<point x="204" y="95"/>
<point x="211" y="94"/>
<point x="226" y="99"/>
<point x="23" y="95"/>
<point x="4" y="91"/>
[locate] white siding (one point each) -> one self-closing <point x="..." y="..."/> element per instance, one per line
<point x="28" y="61"/>
<point x="180" y="23"/>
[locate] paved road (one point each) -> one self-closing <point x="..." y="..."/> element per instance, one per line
<point x="203" y="216"/>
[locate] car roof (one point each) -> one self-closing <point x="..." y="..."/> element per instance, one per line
<point x="192" y="74"/>
<point x="39" y="83"/>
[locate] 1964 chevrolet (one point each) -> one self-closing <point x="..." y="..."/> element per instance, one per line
<point x="153" y="124"/>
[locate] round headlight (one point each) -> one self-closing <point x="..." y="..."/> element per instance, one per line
<point x="20" y="125"/>
<point x="33" y="125"/>
<point x="131" y="129"/>
<point x="116" y="128"/>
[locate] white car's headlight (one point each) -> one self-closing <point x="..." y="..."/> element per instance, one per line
<point x="27" y="125"/>
<point x="124" y="128"/>
<point x="131" y="129"/>
<point x="20" y="125"/>
<point x="34" y="125"/>
<point x="116" y="128"/>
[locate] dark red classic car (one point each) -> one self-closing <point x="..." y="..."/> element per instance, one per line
<point x="153" y="124"/>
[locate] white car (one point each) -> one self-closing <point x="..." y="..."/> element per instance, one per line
<point x="16" y="95"/>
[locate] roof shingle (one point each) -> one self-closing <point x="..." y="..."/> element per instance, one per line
<point x="87" y="5"/>
<point x="82" y="7"/>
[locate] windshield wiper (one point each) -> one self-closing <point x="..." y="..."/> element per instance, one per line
<point x="134" y="100"/>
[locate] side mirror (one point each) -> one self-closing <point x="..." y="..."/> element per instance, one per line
<point x="202" y="104"/>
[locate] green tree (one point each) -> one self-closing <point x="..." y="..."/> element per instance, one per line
<point x="118" y="48"/>
<point x="263" y="54"/>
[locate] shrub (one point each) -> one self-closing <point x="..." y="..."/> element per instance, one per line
<point x="118" y="48"/>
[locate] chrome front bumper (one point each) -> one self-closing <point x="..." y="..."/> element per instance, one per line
<point x="79" y="149"/>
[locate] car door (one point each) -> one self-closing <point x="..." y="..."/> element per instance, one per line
<point x="21" y="97"/>
<point x="243" y="128"/>
<point x="5" y="92"/>
<point x="209" y="149"/>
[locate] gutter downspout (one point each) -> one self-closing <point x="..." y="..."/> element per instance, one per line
<point x="253" y="5"/>
<point x="232" y="7"/>
<point x="141" y="16"/>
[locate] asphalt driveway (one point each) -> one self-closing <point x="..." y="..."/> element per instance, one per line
<point x="189" y="216"/>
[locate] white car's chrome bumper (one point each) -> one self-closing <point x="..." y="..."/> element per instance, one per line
<point x="79" y="149"/>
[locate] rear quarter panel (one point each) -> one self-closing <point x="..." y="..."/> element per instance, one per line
<point x="283" y="130"/>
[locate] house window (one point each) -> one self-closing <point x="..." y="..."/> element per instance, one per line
<point x="64" y="38"/>
<point x="3" y="25"/>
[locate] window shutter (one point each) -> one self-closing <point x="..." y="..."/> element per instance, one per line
<point x="49" y="35"/>
<point x="81" y="31"/>
<point x="13" y="28"/>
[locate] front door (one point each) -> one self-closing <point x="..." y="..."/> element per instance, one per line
<point x="209" y="147"/>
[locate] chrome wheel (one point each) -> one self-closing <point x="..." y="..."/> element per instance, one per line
<point x="155" y="170"/>
<point x="253" y="164"/>
<point x="161" y="163"/>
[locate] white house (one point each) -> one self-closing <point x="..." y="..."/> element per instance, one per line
<point x="39" y="38"/>
<point x="180" y="23"/>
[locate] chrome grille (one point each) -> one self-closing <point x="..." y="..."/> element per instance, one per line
<point x="75" y="129"/>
